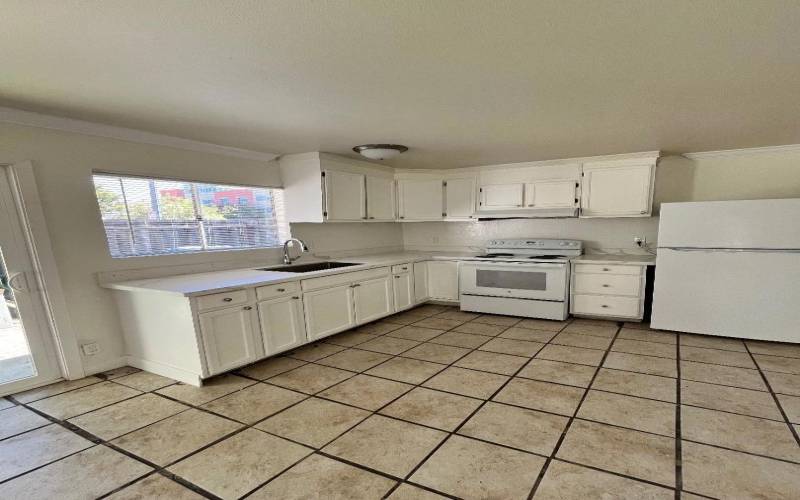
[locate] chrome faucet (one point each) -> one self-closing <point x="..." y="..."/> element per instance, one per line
<point x="287" y="259"/>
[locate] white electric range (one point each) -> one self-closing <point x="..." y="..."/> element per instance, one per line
<point x="519" y="277"/>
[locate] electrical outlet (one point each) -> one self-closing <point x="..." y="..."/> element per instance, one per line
<point x="90" y="349"/>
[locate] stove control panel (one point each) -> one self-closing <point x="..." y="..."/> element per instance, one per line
<point x="541" y="244"/>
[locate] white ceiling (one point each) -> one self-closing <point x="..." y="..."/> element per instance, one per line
<point x="459" y="82"/>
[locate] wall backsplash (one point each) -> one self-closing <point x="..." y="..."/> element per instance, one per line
<point x="615" y="235"/>
<point x="350" y="237"/>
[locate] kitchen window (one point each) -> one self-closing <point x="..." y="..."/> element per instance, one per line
<point x="145" y="216"/>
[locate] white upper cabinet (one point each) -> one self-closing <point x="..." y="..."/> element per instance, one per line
<point x="501" y="196"/>
<point x="459" y="198"/>
<point x="618" y="188"/>
<point x="320" y="187"/>
<point x="420" y="199"/>
<point x="380" y="198"/>
<point x="345" y="196"/>
<point x="551" y="194"/>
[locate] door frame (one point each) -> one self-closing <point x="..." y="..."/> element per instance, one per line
<point x="57" y="327"/>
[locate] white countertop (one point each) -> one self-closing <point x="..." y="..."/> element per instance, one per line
<point x="221" y="281"/>
<point x="602" y="258"/>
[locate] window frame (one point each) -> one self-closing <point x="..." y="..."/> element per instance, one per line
<point x="282" y="226"/>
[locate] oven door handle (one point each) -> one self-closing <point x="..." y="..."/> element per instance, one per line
<point x="533" y="265"/>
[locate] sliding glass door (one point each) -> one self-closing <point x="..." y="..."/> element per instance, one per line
<point x="27" y="357"/>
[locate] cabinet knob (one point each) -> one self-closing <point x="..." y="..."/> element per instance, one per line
<point x="247" y="308"/>
<point x="227" y="299"/>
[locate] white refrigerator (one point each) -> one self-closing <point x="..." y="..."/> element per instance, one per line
<point x="729" y="268"/>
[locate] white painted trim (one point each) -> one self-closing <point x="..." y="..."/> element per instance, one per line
<point x="66" y="341"/>
<point x="165" y="370"/>
<point x="649" y="155"/>
<point x="31" y="119"/>
<point x="786" y="148"/>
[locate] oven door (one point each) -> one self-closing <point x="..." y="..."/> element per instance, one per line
<point x="523" y="280"/>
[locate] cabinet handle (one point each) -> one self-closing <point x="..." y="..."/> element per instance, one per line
<point x="280" y="289"/>
<point x="296" y="298"/>
<point x="247" y="308"/>
<point x="372" y="217"/>
<point x="606" y="269"/>
<point x="606" y="286"/>
<point x="531" y="205"/>
<point x="396" y="277"/>
<point x="227" y="299"/>
<point x="357" y="284"/>
<point x="604" y="306"/>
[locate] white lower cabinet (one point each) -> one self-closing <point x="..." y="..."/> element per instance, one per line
<point x="608" y="290"/>
<point x="283" y="326"/>
<point x="229" y="338"/>
<point x="420" y="282"/>
<point x="328" y="311"/>
<point x="373" y="299"/>
<point x="443" y="280"/>
<point x="403" y="284"/>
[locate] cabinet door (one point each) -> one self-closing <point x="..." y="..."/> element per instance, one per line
<point x="345" y="196"/>
<point x="617" y="191"/>
<point x="403" y="291"/>
<point x="373" y="299"/>
<point x="420" y="199"/>
<point x="550" y="194"/>
<point x="328" y="311"/>
<point x="501" y="196"/>
<point x="282" y="324"/>
<point x="420" y="282"/>
<point x="380" y="198"/>
<point x="229" y="338"/>
<point x="443" y="280"/>
<point x="459" y="198"/>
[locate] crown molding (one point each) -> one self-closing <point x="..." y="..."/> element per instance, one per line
<point x="39" y="120"/>
<point x="786" y="148"/>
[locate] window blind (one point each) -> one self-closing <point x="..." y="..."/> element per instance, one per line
<point x="145" y="216"/>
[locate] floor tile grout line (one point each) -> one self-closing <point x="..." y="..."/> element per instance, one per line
<point x="775" y="398"/>
<point x="678" y="428"/>
<point x="568" y="425"/>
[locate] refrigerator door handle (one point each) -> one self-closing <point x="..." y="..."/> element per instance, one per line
<point x="735" y="250"/>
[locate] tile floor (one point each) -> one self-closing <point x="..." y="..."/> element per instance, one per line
<point x="429" y="403"/>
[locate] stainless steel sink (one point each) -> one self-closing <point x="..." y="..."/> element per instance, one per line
<point x="307" y="268"/>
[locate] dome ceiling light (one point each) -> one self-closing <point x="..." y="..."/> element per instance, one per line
<point x="380" y="151"/>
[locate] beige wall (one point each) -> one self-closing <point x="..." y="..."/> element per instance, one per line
<point x="729" y="177"/>
<point x="63" y="164"/>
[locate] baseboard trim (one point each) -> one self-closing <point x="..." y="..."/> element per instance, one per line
<point x="165" y="370"/>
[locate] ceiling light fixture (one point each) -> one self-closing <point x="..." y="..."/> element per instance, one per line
<point x="380" y="151"/>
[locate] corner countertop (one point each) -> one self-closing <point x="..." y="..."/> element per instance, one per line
<point x="602" y="258"/>
<point x="222" y="281"/>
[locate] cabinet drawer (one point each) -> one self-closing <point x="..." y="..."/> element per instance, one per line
<point x="608" y="284"/>
<point x="603" y="305"/>
<point x="609" y="269"/>
<point x="402" y="268"/>
<point x="271" y="291"/>
<point x="205" y="302"/>
<point x="343" y="278"/>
